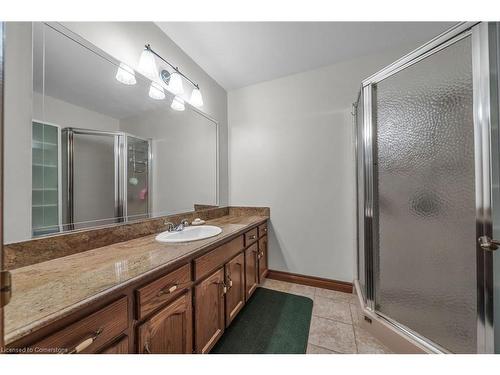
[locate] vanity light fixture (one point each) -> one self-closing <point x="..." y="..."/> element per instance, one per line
<point x="125" y="74"/>
<point x="172" y="80"/>
<point x="156" y="91"/>
<point x="175" y="84"/>
<point x="147" y="65"/>
<point x="177" y="104"/>
<point x="196" y="99"/>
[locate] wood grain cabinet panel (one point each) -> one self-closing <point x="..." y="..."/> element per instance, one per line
<point x="209" y="262"/>
<point x="170" y="331"/>
<point x="119" y="347"/>
<point x="263" y="258"/>
<point x="235" y="282"/>
<point x="262" y="229"/>
<point x="209" y="311"/>
<point x="163" y="290"/>
<point x="89" y="334"/>
<point x="251" y="237"/>
<point x="251" y="270"/>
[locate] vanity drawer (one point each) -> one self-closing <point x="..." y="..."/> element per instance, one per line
<point x="216" y="258"/>
<point x="163" y="290"/>
<point x="89" y="334"/>
<point x="250" y="237"/>
<point x="262" y="229"/>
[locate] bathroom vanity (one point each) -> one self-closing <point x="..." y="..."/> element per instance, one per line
<point x="109" y="158"/>
<point x="140" y="296"/>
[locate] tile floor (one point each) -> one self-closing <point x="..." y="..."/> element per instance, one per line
<point x="335" y="324"/>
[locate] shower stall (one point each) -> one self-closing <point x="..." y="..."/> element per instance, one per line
<point x="428" y="192"/>
<point x="106" y="178"/>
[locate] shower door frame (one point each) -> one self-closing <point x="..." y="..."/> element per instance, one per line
<point x="70" y="171"/>
<point x="125" y="175"/>
<point x="482" y="58"/>
<point x="120" y="172"/>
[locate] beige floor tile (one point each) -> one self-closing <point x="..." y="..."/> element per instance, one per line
<point x="331" y="309"/>
<point x="332" y="335"/>
<point x="367" y="344"/>
<point x="313" y="349"/>
<point x="276" y="285"/>
<point x="336" y="296"/>
<point x="355" y="313"/>
<point x="302" y="290"/>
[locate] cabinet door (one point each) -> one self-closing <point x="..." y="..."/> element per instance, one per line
<point x="209" y="311"/>
<point x="262" y="258"/>
<point x="251" y="270"/>
<point x="235" y="282"/>
<point x="119" y="347"/>
<point x="170" y="331"/>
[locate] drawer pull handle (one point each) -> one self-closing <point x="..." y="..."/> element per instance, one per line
<point x="167" y="290"/>
<point x="265" y="229"/>
<point x="85" y="343"/>
<point x="229" y="282"/>
<point x="224" y="287"/>
<point x="252" y="237"/>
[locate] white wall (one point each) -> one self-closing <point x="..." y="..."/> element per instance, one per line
<point x="184" y="157"/>
<point x="64" y="114"/>
<point x="125" y="41"/>
<point x="291" y="148"/>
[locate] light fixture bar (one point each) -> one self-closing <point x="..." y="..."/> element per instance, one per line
<point x="148" y="47"/>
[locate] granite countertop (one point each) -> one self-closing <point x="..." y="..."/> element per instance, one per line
<point x="48" y="291"/>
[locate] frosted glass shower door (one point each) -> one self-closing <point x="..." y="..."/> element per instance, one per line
<point x="425" y="259"/>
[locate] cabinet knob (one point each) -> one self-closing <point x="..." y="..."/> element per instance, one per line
<point x="167" y="290"/>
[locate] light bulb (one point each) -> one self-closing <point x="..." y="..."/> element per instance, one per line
<point x="175" y="84"/>
<point x="147" y="65"/>
<point x="156" y="91"/>
<point x="125" y="74"/>
<point x="177" y="104"/>
<point x="196" y="98"/>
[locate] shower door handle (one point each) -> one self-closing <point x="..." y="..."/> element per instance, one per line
<point x="487" y="243"/>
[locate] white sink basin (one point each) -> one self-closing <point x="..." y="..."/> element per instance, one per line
<point x="189" y="234"/>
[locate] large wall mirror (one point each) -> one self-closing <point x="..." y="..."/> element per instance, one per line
<point x="103" y="150"/>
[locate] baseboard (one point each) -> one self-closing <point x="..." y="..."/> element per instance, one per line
<point x="319" y="282"/>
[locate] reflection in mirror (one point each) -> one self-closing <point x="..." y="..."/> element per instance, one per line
<point x="107" y="145"/>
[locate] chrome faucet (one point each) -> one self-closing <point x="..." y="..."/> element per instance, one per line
<point x="184" y="223"/>
<point x="170" y="226"/>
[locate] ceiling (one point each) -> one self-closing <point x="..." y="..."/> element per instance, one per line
<point x="238" y="54"/>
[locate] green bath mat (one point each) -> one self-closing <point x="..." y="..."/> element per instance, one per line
<point x="271" y="322"/>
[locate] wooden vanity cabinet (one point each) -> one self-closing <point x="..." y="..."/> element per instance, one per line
<point x="209" y="311"/>
<point x="235" y="285"/>
<point x="90" y="334"/>
<point x="184" y="310"/>
<point x="251" y="270"/>
<point x="169" y="331"/>
<point x="263" y="258"/>
<point x="119" y="347"/>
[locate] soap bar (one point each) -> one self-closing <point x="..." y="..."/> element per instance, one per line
<point x="198" y="221"/>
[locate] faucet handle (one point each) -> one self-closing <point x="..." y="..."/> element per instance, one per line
<point x="170" y="226"/>
<point x="185" y="222"/>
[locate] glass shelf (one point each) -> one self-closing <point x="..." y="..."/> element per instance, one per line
<point x="45" y="179"/>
